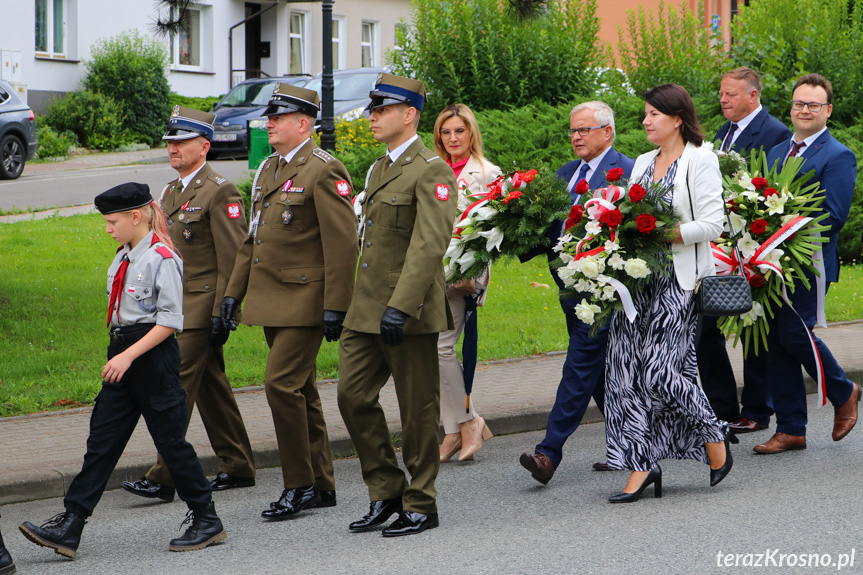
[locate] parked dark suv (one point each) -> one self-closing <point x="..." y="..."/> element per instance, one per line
<point x="244" y="102"/>
<point x="17" y="133"/>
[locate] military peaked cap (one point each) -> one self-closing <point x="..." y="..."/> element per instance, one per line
<point x="186" y="123"/>
<point x="390" y="89"/>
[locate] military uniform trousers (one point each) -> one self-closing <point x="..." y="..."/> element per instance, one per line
<point x="365" y="364"/>
<point x="301" y="431"/>
<point x="202" y="373"/>
<point x="150" y="387"/>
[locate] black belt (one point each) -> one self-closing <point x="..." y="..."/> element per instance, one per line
<point x="130" y="333"/>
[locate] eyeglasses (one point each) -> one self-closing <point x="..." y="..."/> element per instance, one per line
<point x="458" y="132"/>
<point x="814" y="107"/>
<point x="583" y="131"/>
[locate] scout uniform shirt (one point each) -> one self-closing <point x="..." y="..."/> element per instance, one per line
<point x="408" y="213"/>
<point x="301" y="252"/>
<point x="207" y="224"/>
<point x="153" y="289"/>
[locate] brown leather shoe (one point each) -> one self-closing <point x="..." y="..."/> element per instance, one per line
<point x="539" y="465"/>
<point x="845" y="417"/>
<point x="746" y="425"/>
<point x="601" y="466"/>
<point x="781" y="442"/>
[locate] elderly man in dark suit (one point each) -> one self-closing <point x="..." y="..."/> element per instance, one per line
<point x="749" y="127"/>
<point x="591" y="129"/>
<point x="790" y="336"/>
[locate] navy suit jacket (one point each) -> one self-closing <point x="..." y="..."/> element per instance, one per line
<point x="835" y="167"/>
<point x="613" y="159"/>
<point x="763" y="131"/>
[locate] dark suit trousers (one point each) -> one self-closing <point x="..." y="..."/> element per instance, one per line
<point x="717" y="378"/>
<point x="365" y="364"/>
<point x="150" y="387"/>
<point x="583" y="376"/>
<point x="202" y="373"/>
<point x="301" y="431"/>
<point x="789" y="348"/>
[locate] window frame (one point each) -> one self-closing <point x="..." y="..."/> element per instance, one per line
<point x="303" y="36"/>
<point x="340" y="45"/>
<point x="51" y="29"/>
<point x="372" y="43"/>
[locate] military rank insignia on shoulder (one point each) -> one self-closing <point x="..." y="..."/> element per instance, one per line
<point x="323" y="154"/>
<point x="218" y="179"/>
<point x="428" y="156"/>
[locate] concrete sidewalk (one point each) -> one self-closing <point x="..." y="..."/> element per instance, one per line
<point x="99" y="160"/>
<point x="43" y="452"/>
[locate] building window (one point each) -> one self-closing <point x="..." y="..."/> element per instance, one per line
<point x="368" y="44"/>
<point x="298" y="43"/>
<point x="51" y="27"/>
<point x="186" y="46"/>
<point x="401" y="34"/>
<point x="338" y="61"/>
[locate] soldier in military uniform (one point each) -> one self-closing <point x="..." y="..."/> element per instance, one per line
<point x="207" y="225"/>
<point x="295" y="271"/>
<point x="398" y="308"/>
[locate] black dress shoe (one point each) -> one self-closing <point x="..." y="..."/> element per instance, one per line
<point x="654" y="477"/>
<point x="146" y="488"/>
<point x="328" y="499"/>
<point x="224" y="481"/>
<point x="206" y="529"/>
<point x="7" y="566"/>
<point x="379" y="512"/>
<point x="411" y="523"/>
<point x="292" y="502"/>
<point x="62" y="533"/>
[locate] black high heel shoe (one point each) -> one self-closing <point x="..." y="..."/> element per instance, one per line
<point x="654" y="477"/>
<point x="717" y="475"/>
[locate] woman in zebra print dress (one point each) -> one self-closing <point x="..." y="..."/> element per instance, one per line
<point x="655" y="408"/>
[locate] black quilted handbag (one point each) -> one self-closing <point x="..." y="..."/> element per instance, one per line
<point x="720" y="295"/>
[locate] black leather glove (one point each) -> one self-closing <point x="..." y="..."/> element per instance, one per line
<point x="393" y="326"/>
<point x="229" y="310"/>
<point x="333" y="321"/>
<point x="219" y="332"/>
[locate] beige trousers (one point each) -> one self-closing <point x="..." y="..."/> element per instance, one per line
<point x="452" y="395"/>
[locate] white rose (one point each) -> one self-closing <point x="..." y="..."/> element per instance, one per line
<point x="586" y="311"/>
<point x="589" y="267"/>
<point x="636" y="268"/>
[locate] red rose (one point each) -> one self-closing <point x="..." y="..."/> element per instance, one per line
<point x="760" y="183"/>
<point x="645" y="223"/>
<point x="611" y="218"/>
<point x="575" y="215"/>
<point x="511" y="196"/>
<point x="636" y="193"/>
<point x="770" y="192"/>
<point x="757" y="280"/>
<point x="582" y="187"/>
<point x="614" y="174"/>
<point x="758" y="227"/>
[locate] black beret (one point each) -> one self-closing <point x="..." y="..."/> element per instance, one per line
<point x="124" y="197"/>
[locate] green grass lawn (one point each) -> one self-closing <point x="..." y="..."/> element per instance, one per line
<point x="53" y="306"/>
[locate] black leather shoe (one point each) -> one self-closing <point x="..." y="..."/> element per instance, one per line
<point x="7" y="566"/>
<point x="62" y="533"/>
<point x="224" y="481"/>
<point x="206" y="529"/>
<point x="328" y="499"/>
<point x="717" y="475"/>
<point x="411" y="523"/>
<point x="379" y="512"/>
<point x="654" y="477"/>
<point x="292" y="502"/>
<point x="146" y="488"/>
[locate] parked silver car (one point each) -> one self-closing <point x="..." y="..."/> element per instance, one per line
<point x="17" y="133"/>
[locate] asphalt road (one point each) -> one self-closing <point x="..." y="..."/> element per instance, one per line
<point x="77" y="187"/>
<point x="495" y="519"/>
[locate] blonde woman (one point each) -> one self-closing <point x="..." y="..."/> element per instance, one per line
<point x="458" y="141"/>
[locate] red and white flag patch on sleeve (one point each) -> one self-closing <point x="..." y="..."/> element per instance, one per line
<point x="441" y="192"/>
<point x="343" y="188"/>
<point x="233" y="211"/>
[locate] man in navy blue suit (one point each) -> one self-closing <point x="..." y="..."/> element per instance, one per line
<point x="749" y="127"/>
<point x="591" y="131"/>
<point x="789" y="341"/>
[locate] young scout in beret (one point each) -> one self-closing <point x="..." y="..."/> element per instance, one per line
<point x="295" y="271"/>
<point x="207" y="224"/>
<point x="142" y="377"/>
<point x="398" y="308"/>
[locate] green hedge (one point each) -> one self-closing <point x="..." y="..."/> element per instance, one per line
<point x="204" y="104"/>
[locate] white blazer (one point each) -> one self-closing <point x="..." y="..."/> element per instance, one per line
<point x="701" y="168"/>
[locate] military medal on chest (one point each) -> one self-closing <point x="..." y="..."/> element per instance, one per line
<point x="187" y="233"/>
<point x="287" y="216"/>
